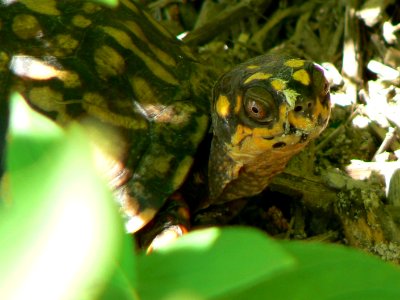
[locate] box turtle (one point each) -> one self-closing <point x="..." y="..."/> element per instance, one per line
<point x="144" y="100"/>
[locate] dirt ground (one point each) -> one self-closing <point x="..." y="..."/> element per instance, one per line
<point x="345" y="187"/>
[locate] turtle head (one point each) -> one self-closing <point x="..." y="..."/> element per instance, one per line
<point x="263" y="112"/>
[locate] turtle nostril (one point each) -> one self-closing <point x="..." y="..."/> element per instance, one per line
<point x="279" y="145"/>
<point x="298" y="108"/>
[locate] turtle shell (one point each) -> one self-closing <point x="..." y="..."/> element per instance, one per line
<point x="143" y="100"/>
<point x="132" y="85"/>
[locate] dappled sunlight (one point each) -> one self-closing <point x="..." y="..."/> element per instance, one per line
<point x="25" y="122"/>
<point x="68" y="230"/>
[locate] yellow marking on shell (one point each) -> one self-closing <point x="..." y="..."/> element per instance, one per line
<point x="71" y="79"/>
<point x="47" y="7"/>
<point x="222" y="106"/>
<point x="90" y="8"/>
<point x="96" y="106"/>
<point x="135" y="29"/>
<point x="80" y="21"/>
<point x="278" y="84"/>
<point x="257" y="76"/>
<point x="302" y="76"/>
<point x="238" y="105"/>
<point x="144" y="91"/>
<point x="26" y="26"/>
<point x="65" y="45"/>
<point x="197" y="136"/>
<point x="108" y="62"/>
<point x="294" y="63"/>
<point x="188" y="52"/>
<point x="125" y="41"/>
<point x="130" y="5"/>
<point x="162" y="164"/>
<point x="252" y="67"/>
<point x="161" y="55"/>
<point x="4" y="61"/>
<point x="160" y="28"/>
<point x="47" y="99"/>
<point x="182" y="171"/>
<point x="240" y="133"/>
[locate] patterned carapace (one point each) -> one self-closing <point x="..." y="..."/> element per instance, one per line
<point x="143" y="99"/>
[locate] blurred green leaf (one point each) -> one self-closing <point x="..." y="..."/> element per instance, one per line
<point x="60" y="235"/>
<point x="112" y="3"/>
<point x="328" y="272"/>
<point x="122" y="285"/>
<point x="209" y="263"/>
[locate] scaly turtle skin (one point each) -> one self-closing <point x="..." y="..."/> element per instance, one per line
<point x="143" y="99"/>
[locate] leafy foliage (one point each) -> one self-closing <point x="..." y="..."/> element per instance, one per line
<point x="61" y="238"/>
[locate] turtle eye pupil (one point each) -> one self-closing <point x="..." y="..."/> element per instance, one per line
<point x="259" y="105"/>
<point x="256" y="110"/>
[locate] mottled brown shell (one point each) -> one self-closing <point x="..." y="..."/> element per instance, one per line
<point x="132" y="85"/>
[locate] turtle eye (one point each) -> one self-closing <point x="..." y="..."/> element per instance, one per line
<point x="259" y="105"/>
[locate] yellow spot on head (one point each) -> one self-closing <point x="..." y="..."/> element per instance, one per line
<point x="257" y="76"/>
<point x="222" y="106"/>
<point x="294" y="63"/>
<point x="301" y="122"/>
<point x="278" y="84"/>
<point x="238" y="105"/>
<point x="26" y="26"/>
<point x="302" y="76"/>
<point x="108" y="62"/>
<point x="240" y="133"/>
<point x="252" y="67"/>
<point x="81" y="21"/>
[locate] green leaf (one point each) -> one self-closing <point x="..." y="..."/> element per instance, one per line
<point x="212" y="262"/>
<point x="122" y="286"/>
<point x="111" y="3"/>
<point x="328" y="272"/>
<point x="60" y="233"/>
